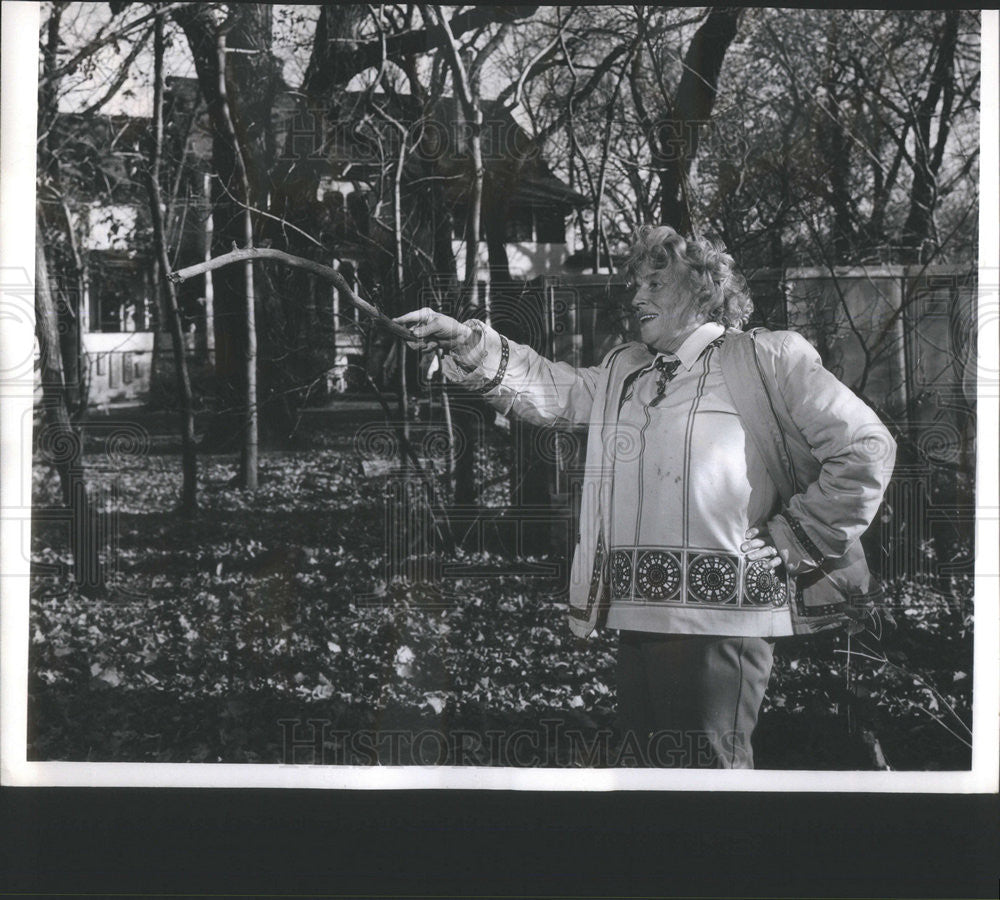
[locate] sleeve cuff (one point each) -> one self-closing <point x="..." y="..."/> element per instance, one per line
<point x="789" y="536"/>
<point x="472" y="358"/>
<point x="482" y="366"/>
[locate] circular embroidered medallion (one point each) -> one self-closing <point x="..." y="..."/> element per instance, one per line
<point x="621" y="573"/>
<point x="712" y="579"/>
<point x="658" y="575"/>
<point x="763" y="587"/>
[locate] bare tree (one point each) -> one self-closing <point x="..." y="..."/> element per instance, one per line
<point x="65" y="441"/>
<point x="634" y="149"/>
<point x="283" y="187"/>
<point x="673" y="127"/>
<point x="469" y="100"/>
<point x="872" y="135"/>
<point x="237" y="75"/>
<point x="58" y="321"/>
<point x="189" y="459"/>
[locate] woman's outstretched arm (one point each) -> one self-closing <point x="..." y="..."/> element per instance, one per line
<point x="512" y="377"/>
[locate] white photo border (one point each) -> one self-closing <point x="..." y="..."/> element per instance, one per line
<point x="17" y="249"/>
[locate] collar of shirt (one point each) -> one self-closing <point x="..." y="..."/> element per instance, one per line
<point x="694" y="344"/>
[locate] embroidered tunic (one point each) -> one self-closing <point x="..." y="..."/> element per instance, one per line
<point x="677" y="566"/>
<point x="686" y="485"/>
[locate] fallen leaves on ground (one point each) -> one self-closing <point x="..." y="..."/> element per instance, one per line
<point x="226" y="635"/>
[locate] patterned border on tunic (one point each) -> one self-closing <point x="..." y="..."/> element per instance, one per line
<point x="714" y="578"/>
<point x="621" y="572"/>
<point x="678" y="577"/>
<point x="595" y="581"/>
<point x="658" y="575"/>
<point x="762" y="587"/>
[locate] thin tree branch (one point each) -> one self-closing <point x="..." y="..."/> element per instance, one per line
<point x="256" y="210"/>
<point x="368" y="54"/>
<point x="236" y="255"/>
<point x="119" y="80"/>
<point x="96" y="44"/>
<point x="535" y="66"/>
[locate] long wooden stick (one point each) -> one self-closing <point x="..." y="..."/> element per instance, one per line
<point x="236" y="255"/>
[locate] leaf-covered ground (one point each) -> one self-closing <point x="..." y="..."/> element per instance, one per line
<point x="266" y="630"/>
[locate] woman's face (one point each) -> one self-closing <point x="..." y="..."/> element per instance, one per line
<point x="665" y="305"/>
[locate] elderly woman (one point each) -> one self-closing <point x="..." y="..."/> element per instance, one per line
<point x="686" y="544"/>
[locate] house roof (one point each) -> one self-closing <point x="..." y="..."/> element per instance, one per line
<point x="439" y="142"/>
<point x="513" y="166"/>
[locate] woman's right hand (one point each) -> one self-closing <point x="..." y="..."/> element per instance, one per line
<point x="436" y="330"/>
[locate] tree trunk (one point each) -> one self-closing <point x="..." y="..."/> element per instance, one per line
<point x="465" y="415"/>
<point x="71" y="312"/>
<point x="67" y="292"/>
<point x="240" y="110"/>
<point x="833" y="143"/>
<point x="443" y="264"/>
<point x="400" y="277"/>
<point x="926" y="162"/>
<point x="474" y="116"/>
<point x="189" y="459"/>
<point x="497" y="191"/>
<point x="248" y="456"/>
<point x="199" y="27"/>
<point x="678" y="133"/>
<point x="600" y="238"/>
<point x="840" y="194"/>
<point x="528" y="478"/>
<point x="468" y="410"/>
<point x="248" y="173"/>
<point x="65" y="441"/>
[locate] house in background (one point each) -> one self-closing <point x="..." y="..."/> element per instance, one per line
<point x="127" y="350"/>
<point x="914" y="324"/>
<point x="99" y="269"/>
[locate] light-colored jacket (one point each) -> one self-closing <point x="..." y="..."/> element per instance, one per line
<point x="841" y="453"/>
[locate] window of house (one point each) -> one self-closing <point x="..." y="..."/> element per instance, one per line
<point x="519" y="224"/>
<point x="119" y="297"/>
<point x="550" y="225"/>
